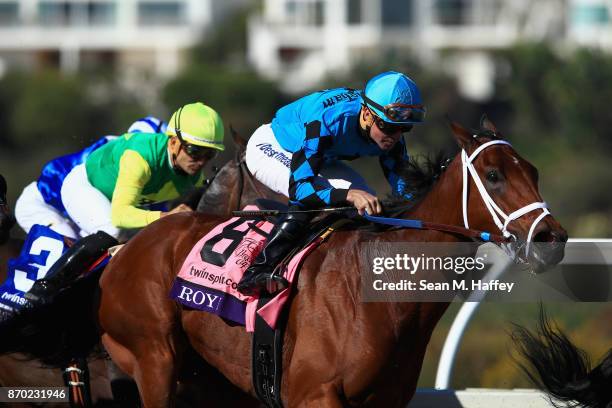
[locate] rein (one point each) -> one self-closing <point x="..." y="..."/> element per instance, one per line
<point x="466" y="231"/>
<point x="425" y="225"/>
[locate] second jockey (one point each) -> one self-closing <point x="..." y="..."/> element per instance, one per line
<point x="41" y="201"/>
<point x="106" y="194"/>
<point x="299" y="155"/>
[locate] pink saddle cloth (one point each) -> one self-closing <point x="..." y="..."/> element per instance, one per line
<point x="208" y="278"/>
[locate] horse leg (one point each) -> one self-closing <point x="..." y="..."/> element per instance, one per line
<point x="156" y="376"/>
<point x="155" y="369"/>
<point x="123" y="387"/>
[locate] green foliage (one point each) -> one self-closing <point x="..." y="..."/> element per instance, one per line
<point x="559" y="120"/>
<point x="42" y="106"/>
<point x="228" y="42"/>
<point x="216" y="75"/>
<point x="242" y="99"/>
<point x="580" y="96"/>
<point x="46" y="107"/>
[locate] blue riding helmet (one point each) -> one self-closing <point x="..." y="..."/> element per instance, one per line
<point x="394" y="98"/>
<point x="149" y="124"/>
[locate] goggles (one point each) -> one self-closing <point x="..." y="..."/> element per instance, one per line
<point x="388" y="128"/>
<point x="194" y="151"/>
<point x="398" y="112"/>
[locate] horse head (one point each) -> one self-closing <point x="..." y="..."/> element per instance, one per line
<point x="233" y="186"/>
<point x="500" y="193"/>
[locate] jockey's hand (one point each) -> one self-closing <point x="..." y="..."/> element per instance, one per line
<point x="364" y="201"/>
<point x="178" y="209"/>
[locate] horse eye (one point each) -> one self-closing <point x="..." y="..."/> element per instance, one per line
<point x="492" y="176"/>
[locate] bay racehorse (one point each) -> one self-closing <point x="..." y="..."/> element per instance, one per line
<point x="339" y="351"/>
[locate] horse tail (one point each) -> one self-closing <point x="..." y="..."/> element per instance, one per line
<point x="562" y="370"/>
<point x="57" y="332"/>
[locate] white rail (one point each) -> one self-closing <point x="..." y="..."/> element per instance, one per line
<point x="463" y="318"/>
<point x="479" y="398"/>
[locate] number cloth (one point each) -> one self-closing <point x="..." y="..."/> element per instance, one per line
<point x="209" y="275"/>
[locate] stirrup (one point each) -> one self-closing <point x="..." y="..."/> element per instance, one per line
<point x="271" y="283"/>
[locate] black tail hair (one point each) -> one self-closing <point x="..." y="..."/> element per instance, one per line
<point x="563" y="371"/>
<point x="57" y="332"/>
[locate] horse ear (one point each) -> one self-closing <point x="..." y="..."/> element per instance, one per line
<point x="464" y="137"/>
<point x="238" y="140"/>
<point x="486" y="124"/>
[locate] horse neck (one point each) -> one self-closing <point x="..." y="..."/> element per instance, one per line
<point x="222" y="196"/>
<point x="441" y="205"/>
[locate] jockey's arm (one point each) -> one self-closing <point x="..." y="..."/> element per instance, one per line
<point x="306" y="165"/>
<point x="134" y="173"/>
<point x="390" y="162"/>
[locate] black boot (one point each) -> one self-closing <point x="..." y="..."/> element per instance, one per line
<point x="69" y="266"/>
<point x="258" y="277"/>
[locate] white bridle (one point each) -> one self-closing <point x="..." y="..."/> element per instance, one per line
<point x="496" y="213"/>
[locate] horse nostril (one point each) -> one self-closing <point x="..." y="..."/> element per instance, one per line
<point x="550" y="236"/>
<point x="560" y="236"/>
<point x="545" y="236"/>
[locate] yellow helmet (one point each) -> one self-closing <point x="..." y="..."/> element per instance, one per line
<point x="197" y="124"/>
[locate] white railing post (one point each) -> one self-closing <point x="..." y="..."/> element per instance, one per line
<point x="455" y="334"/>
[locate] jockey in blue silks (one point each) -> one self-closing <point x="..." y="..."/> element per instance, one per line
<point x="41" y="203"/>
<point x="299" y="155"/>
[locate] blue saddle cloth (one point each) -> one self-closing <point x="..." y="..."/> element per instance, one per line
<point x="41" y="249"/>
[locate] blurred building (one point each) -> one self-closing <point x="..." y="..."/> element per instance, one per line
<point x="132" y="35"/>
<point x="301" y="41"/>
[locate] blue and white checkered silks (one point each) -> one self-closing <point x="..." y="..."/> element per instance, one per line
<point x="323" y="127"/>
<point x="148" y="124"/>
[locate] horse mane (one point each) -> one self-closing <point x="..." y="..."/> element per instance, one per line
<point x="419" y="173"/>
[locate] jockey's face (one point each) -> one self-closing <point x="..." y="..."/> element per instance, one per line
<point x="384" y="135"/>
<point x="189" y="164"/>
